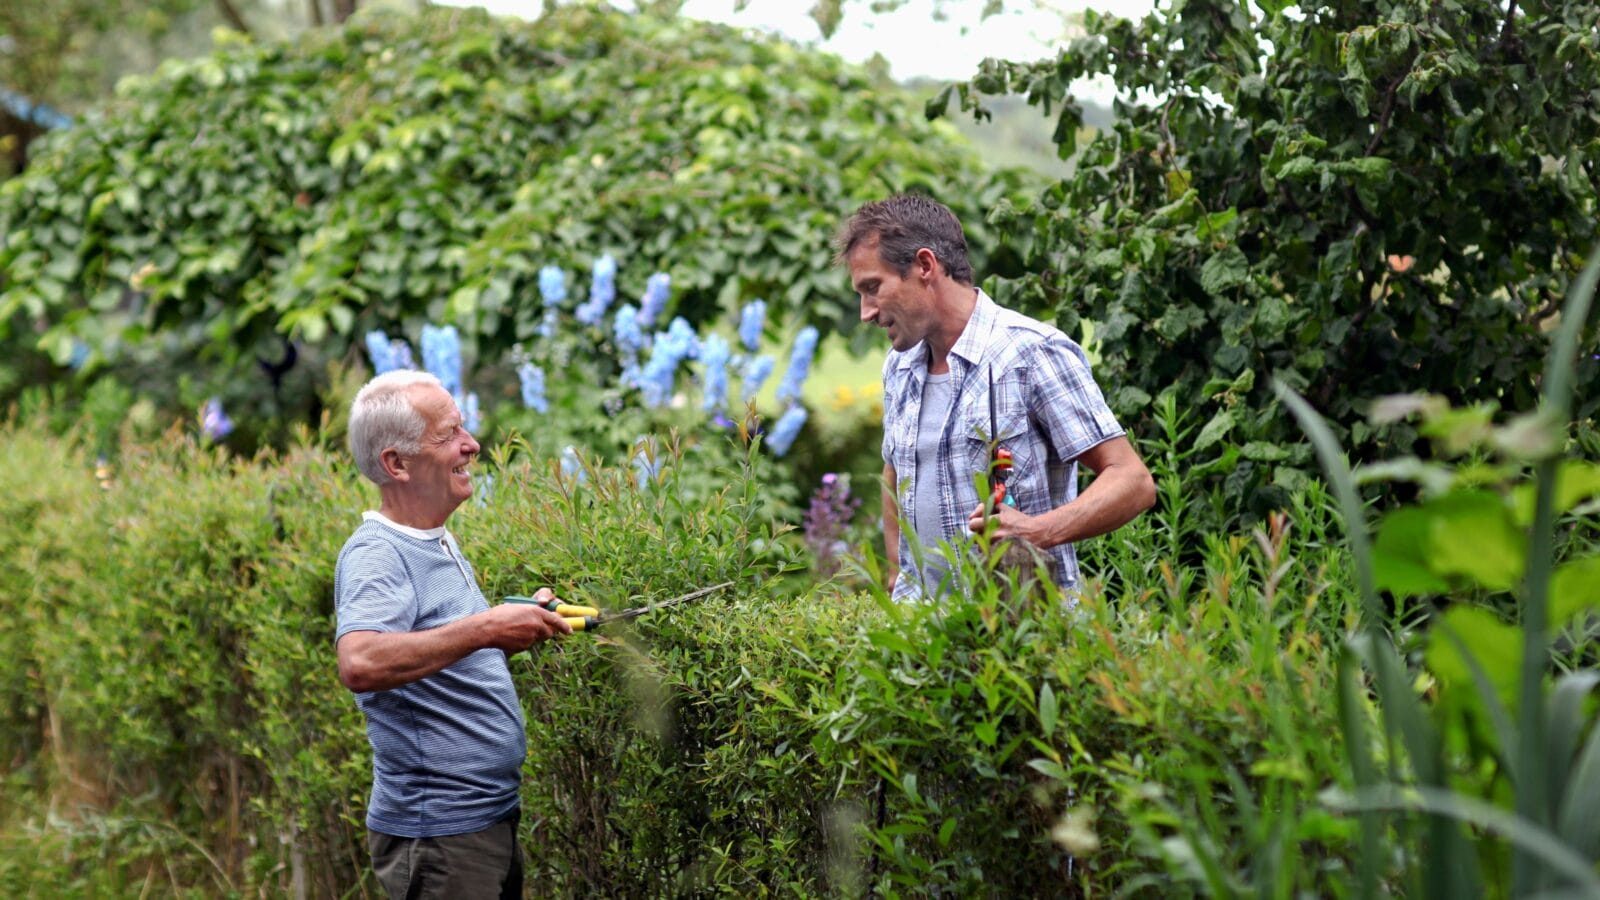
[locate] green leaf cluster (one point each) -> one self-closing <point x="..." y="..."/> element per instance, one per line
<point x="1358" y="197"/>
<point x="414" y="169"/>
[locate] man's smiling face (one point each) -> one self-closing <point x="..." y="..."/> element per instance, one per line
<point x="438" y="472"/>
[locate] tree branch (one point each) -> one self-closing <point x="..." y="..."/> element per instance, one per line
<point x="314" y="7"/>
<point x="1387" y="112"/>
<point x="1506" y="27"/>
<point x="234" y="19"/>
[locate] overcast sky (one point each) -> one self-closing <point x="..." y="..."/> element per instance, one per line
<point x="913" y="43"/>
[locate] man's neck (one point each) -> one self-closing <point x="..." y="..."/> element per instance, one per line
<point x="395" y="508"/>
<point x="956" y="303"/>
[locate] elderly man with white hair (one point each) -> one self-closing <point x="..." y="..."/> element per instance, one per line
<point x="425" y="655"/>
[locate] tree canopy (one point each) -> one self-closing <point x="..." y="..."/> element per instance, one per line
<point x="1359" y="196"/>
<point x="412" y="169"/>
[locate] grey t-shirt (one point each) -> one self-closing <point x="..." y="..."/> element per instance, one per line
<point x="937" y="394"/>
<point x="447" y="749"/>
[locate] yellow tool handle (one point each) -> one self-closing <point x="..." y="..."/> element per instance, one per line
<point x="563" y="609"/>
<point x="583" y="623"/>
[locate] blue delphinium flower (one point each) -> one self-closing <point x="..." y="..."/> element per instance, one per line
<point x="655" y="298"/>
<point x="441" y="355"/>
<point x="756" y="371"/>
<point x="671" y="347"/>
<point x="552" y="285"/>
<point x="571" y="465"/>
<point x="532" y="378"/>
<point x="625" y="326"/>
<point x="805" y="348"/>
<point x="79" y="357"/>
<point x="470" y="419"/>
<point x="714" y="353"/>
<point x="787" y="429"/>
<point x="602" y="290"/>
<point x="380" y="352"/>
<point x="214" y="423"/>
<point x="751" y="320"/>
<point x="400" y="355"/>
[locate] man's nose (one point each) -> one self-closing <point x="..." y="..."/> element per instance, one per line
<point x="472" y="445"/>
<point x="869" y="310"/>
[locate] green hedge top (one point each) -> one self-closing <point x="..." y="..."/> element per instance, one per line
<point x="414" y="169"/>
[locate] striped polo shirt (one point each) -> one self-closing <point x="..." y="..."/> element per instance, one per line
<point x="447" y="750"/>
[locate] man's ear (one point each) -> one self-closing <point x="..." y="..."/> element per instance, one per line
<point x="927" y="263"/>
<point x="394" y="465"/>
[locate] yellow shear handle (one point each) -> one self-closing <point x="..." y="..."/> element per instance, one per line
<point x="563" y="609"/>
<point x="583" y="623"/>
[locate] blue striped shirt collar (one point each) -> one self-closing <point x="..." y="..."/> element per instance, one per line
<point x="430" y="534"/>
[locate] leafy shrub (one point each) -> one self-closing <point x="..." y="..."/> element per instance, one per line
<point x="1355" y="197"/>
<point x="409" y="170"/>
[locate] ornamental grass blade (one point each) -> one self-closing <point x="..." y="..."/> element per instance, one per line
<point x="1337" y="468"/>
<point x="1549" y="852"/>
<point x="1499" y="716"/>
<point x="1533" y="802"/>
<point x="1358" y="743"/>
<point x="1566" y="718"/>
<point x="1579" y="824"/>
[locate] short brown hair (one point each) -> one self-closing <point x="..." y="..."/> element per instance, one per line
<point x="904" y="224"/>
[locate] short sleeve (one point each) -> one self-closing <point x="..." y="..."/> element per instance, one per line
<point x="372" y="591"/>
<point x="889" y="370"/>
<point x="1066" y="403"/>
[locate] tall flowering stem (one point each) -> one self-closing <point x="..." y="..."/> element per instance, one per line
<point x="602" y="291"/>
<point x="441" y="355"/>
<point x="388" y="355"/>
<point x="671" y="347"/>
<point x="787" y="429"/>
<point x="752" y="319"/>
<point x="826" y="521"/>
<point x="552" y="285"/>
<point x="805" y="349"/>
<point x="532" y="379"/>
<point x="714" y="355"/>
<point x="654" y="301"/>
<point x="756" y="371"/>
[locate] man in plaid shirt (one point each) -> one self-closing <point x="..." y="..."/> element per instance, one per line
<point x="907" y="257"/>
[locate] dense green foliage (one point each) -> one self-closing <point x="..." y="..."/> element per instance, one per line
<point x="1359" y="197"/>
<point x="407" y="170"/>
<point x="175" y="669"/>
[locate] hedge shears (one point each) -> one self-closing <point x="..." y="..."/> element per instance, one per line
<point x="999" y="457"/>
<point x="589" y="618"/>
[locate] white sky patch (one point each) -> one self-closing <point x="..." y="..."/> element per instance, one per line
<point x="910" y="39"/>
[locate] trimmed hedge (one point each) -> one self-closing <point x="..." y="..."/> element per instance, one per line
<point x="171" y="666"/>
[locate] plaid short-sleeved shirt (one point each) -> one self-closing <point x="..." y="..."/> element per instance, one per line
<point x="1048" y="410"/>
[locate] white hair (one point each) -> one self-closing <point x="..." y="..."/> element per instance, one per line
<point x="383" y="417"/>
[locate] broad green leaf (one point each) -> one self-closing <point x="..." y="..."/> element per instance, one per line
<point x="1224" y="272"/>
<point x="1401" y="554"/>
<point x="987" y="732"/>
<point x="1472" y="534"/>
<point x="1574" y="588"/>
<point x="1047" y="709"/>
<point x="1496" y="646"/>
<point x="1215" y="430"/>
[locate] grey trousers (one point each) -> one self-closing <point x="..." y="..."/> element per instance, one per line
<point x="483" y="864"/>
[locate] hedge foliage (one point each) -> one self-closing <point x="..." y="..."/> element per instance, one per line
<point x="171" y="711"/>
<point x="410" y="170"/>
